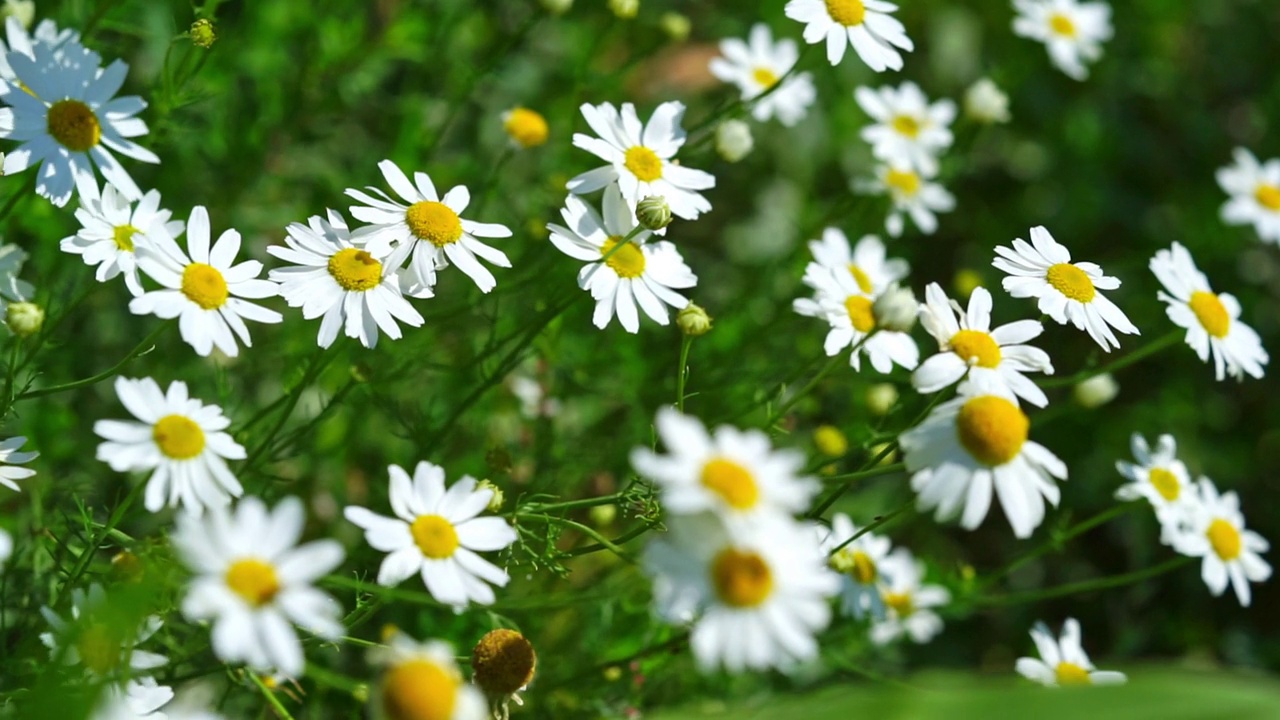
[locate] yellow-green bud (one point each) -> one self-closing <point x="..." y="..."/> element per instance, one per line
<point x="24" y="318"/>
<point x="966" y="281"/>
<point x="895" y="310"/>
<point x="495" y="502"/>
<point x="733" y="140"/>
<point x="625" y="9"/>
<point x="984" y="102"/>
<point x="603" y="515"/>
<point x="360" y="693"/>
<point x="23" y="10"/>
<point x="202" y="34"/>
<point x="676" y="26"/>
<point x="830" y="441"/>
<point x="557" y="7"/>
<point x="653" y="212"/>
<point x="881" y="398"/>
<point x="693" y="320"/>
<point x="1096" y="391"/>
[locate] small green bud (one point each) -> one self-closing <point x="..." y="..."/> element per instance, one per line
<point x="676" y="26"/>
<point x="495" y="502"/>
<point x="693" y="320"/>
<point x="625" y="9"/>
<point x="24" y="318"/>
<point x="202" y="34"/>
<point x="733" y="140"/>
<point x="896" y="309"/>
<point x="653" y="212"/>
<point x="557" y="7"/>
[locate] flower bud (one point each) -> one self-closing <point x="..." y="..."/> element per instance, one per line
<point x="984" y="102"/>
<point x="888" y="457"/>
<point x="625" y="9"/>
<point x="525" y="127"/>
<point x="676" y="26"/>
<point x="896" y="309"/>
<point x="733" y="140"/>
<point x="881" y="398"/>
<point x="557" y="7"/>
<point x="495" y="502"/>
<point x="202" y="34"/>
<point x="966" y="281"/>
<point x="24" y="318"/>
<point x="830" y="441"/>
<point x="653" y="212"/>
<point x="693" y="320"/>
<point x="603" y="515"/>
<point x="23" y="10"/>
<point x="1096" y="391"/>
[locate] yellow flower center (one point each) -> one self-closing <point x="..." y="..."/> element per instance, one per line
<point x="847" y="12"/>
<point x="859" y="309"/>
<point x="906" y="125"/>
<point x="1210" y="312"/>
<point x="741" y="578"/>
<point x="734" y="484"/>
<point x="764" y="77"/>
<point x="862" y="278"/>
<point x="1062" y="25"/>
<point x="992" y="429"/>
<point x="434" y="222"/>
<point x="864" y="568"/>
<point x="643" y="163"/>
<point x="526" y="127"/>
<point x="900" y="603"/>
<point x="1225" y="539"/>
<point x="434" y="536"/>
<point x="503" y="662"/>
<point x="1071" y="281"/>
<point x="204" y="286"/>
<point x="627" y="261"/>
<point x="74" y="125"/>
<point x="254" y="580"/>
<point x="977" y="346"/>
<point x="419" y="690"/>
<point x="1071" y="674"/>
<point x="1165" y="483"/>
<point x="904" y="181"/>
<point x="355" y="269"/>
<point x="99" y="648"/>
<point x="1268" y="196"/>
<point x="123" y="237"/>
<point x="178" y="437"/>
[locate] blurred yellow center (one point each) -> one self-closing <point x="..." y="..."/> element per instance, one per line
<point x="734" y="484"/>
<point x="977" y="346"/>
<point x="1062" y="25"/>
<point x="1224" y="538"/>
<point x="123" y="237"/>
<point x="1071" y="674"/>
<point x="864" y="568"/>
<point x="99" y="648"/>
<point x="1210" y="312"/>
<point x="627" y="261"/>
<point x="355" y="269"/>
<point x="741" y="578"/>
<point x="765" y="77"/>
<point x="1165" y="483"/>
<point x="526" y="127"/>
<point x="847" y="12"/>
<point x="900" y="603"/>
<point x="906" y="125"/>
<point x="204" y="286"/>
<point x="861" y="277"/>
<point x="830" y="441"/>
<point x="434" y="536"/>
<point x="643" y="163"/>
<point x="74" y="125"/>
<point x="1268" y="196"/>
<point x="254" y="580"/>
<point x="904" y="181"/>
<point x="1071" y="281"/>
<point x="992" y="429"/>
<point x="419" y="690"/>
<point x="859" y="309"/>
<point x="434" y="222"/>
<point x="178" y="437"/>
<point x="503" y="662"/>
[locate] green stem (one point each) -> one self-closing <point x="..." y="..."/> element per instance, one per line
<point x="572" y="504"/>
<point x="1057" y="540"/>
<point x="1138" y="355"/>
<point x="142" y="348"/>
<point x="876" y="524"/>
<point x="622" y="539"/>
<point x="685" y="343"/>
<point x="1085" y="586"/>
<point x="86" y="556"/>
<point x="588" y="531"/>
<point x="746" y="105"/>
<point x="260" y="452"/>
<point x="271" y="698"/>
<point x="866" y="474"/>
<point x="835" y="493"/>
<point x="18" y="196"/>
<point x="832" y="362"/>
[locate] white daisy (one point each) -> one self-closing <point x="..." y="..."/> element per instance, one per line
<point x="95" y="638"/>
<point x="1063" y="662"/>
<point x="437" y="533"/>
<point x="908" y="602"/>
<point x="967" y="346"/>
<point x="1254" y="188"/>
<point x="866" y="262"/>
<point x="757" y="65"/>
<point x="755" y="602"/>
<point x="181" y="439"/>
<point x="641" y="158"/>
<point x="422" y="680"/>
<point x="6" y="547"/>
<point x="860" y="564"/>
<point x="111" y="227"/>
<point x="139" y="699"/>
<point x="972" y="444"/>
<point x="204" y="291"/>
<point x="352" y="289"/>
<point x="1072" y="31"/>
<point x="46" y="34"/>
<point x="911" y="193"/>
<point x="426" y="230"/>
<point x="909" y="131"/>
<point x="1212" y="320"/>
<point x="639" y="273"/>
<point x="839" y="299"/>
<point x="253" y="580"/>
<point x="12" y="289"/>
<point x="10" y="458"/>
<point x="864" y="24"/>
<point x="1161" y="478"/>
<point x="1215" y="531"/>
<point x="735" y="474"/>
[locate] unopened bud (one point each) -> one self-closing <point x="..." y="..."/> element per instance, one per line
<point x="526" y="127"/>
<point x="984" y="102"/>
<point x="625" y="9"/>
<point x="676" y="26"/>
<point x="733" y="140"/>
<point x="966" y="281"/>
<point x="653" y="212"/>
<point x="881" y="398"/>
<point x="495" y="502"/>
<point x="24" y="318"/>
<point x="1096" y="391"/>
<point x="830" y="441"/>
<point x="693" y="320"/>
<point x="202" y="34"/>
<point x="557" y="7"/>
<point x="896" y="309"/>
<point x="602" y="515"/>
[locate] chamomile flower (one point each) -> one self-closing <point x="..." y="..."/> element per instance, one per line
<point x="1066" y="291"/>
<point x="1254" y="188"/>
<point x="426" y="230"/>
<point x="112" y="227"/>
<point x="867" y="25"/>
<point x="10" y="458"/>
<point x="1214" y="530"/>
<point x="839" y="299"/>
<point x="755" y="602"/>
<point x="908" y="602"/>
<point x="253" y="582"/>
<point x="912" y="193"/>
<point x="1161" y="478"/>
<point x="20" y="40"/>
<point x="140" y="699"/>
<point x="908" y="130"/>
<point x="621" y="274"/>
<point x="977" y="443"/>
<point x="759" y="64"/>
<point x="1072" y="31"/>
<point x="866" y="262"/>
<point x="968" y="347"/>
<point x="860" y="564"/>
<point x="732" y="473"/>
<point x="95" y="638"/>
<point x="641" y="158"/>
<point x="1063" y="662"/>
<point x="12" y="289"/>
<point x="1212" y="320"/>
<point x="526" y="128"/>
<point x="437" y="533"/>
<point x="422" y="680"/>
<point x="346" y="285"/>
<point x="181" y="439"/>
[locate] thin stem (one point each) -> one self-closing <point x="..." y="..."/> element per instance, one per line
<point x="272" y="700"/>
<point x="683" y="367"/>
<point x="1085" y="586"/>
<point x="853" y="477"/>
<point x="1138" y="355"/>
<point x="313" y="369"/>
<point x="835" y="494"/>
<point x="573" y="504"/>
<point x="585" y="530"/>
<point x="875" y="525"/>
<point x="1057" y="540"/>
<point x="18" y="195"/>
<point x="796" y="397"/>
<point x="142" y="348"/>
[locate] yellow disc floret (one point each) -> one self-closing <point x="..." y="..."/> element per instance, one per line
<point x="1225" y="539"/>
<point x="847" y="12"/>
<point x="99" y="648"/>
<point x="976" y="346"/>
<point x="906" y="125"/>
<point x="1211" y="313"/>
<point x="733" y="483"/>
<point x="1268" y="196"/>
<point x="178" y="437"/>
<point x="254" y="580"/>
<point x="741" y="578"/>
<point x="1062" y="25"/>
<point x="992" y="429"/>
<point x="905" y="182"/>
<point x="503" y="662"/>
<point x="1165" y="483"/>
<point x="419" y="690"/>
<point x="204" y="285"/>
<point x="860" y="314"/>
<point x="74" y="125"/>
<point x="1071" y="281"/>
<point x="862" y="278"/>
<point x="764" y="77"/>
<point x="355" y="269"/>
<point x="901" y="603"/>
<point x="526" y="127"/>
<point x="1071" y="674"/>
<point x="123" y="237"/>
<point x="627" y="261"/>
<point x="643" y="163"/>
<point x="434" y="536"/>
<point x="434" y="222"/>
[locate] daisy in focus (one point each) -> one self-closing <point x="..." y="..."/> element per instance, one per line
<point x="1065" y="291"/>
<point x="181" y="439"/>
<point x="10" y="458"/>
<point x="839" y="299"/>
<point x="866" y="262"/>
<point x="1072" y="31"/>
<point x="95" y="638"/>
<point x="254" y="582"/>
<point x="426" y="230"/>
<point x="908" y="130"/>
<point x="621" y="275"/>
<point x="860" y="563"/>
<point x="910" y="193"/>
<point x="759" y="64"/>
<point x="422" y="680"/>
<point x="437" y="533"/>
<point x="112" y="228"/>
<point x="1161" y="478"/>
<point x="1214" y="530"/>
<point x="641" y="158"/>
<point x="1254" y="188"/>
<point x="908" y="602"/>
<point x="1212" y="320"/>
<point x="1063" y="662"/>
<point x="346" y="285"/>
<point x="866" y="25"/>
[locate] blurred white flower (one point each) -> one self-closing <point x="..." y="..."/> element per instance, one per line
<point x="860" y="564"/>
<point x="419" y="680"/>
<point x="867" y="25"/>
<point x="1071" y="30"/>
<point x="908" y="130"/>
<point x="911" y="193"/>
<point x="1063" y="662"/>
<point x="1214" y="530"/>
<point x="866" y="262"/>
<point x="839" y="299"/>
<point x="909" y="603"/>
<point x="10" y="458"/>
<point x="1096" y="391"/>
<point x="12" y="289"/>
<point x="733" y="140"/>
<point x="1254" y="188"/>
<point x="98" y="641"/>
<point x="759" y="64"/>
<point x="1162" y="479"/>
<point x="985" y="102"/>
<point x="139" y="699"/>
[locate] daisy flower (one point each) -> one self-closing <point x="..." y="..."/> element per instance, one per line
<point x="1063" y="662"/>
<point x="756" y="66"/>
<point x="755" y="602"/>
<point x="1212" y="320"/>
<point x="1066" y="291"/>
<point x="111" y="227"/>
<point x="866" y="262"/>
<point x="181" y="439"/>
<point x="10" y="458"/>
<point x="422" y="680"/>
<point x="865" y="24"/>
<point x="732" y="473"/>
<point x="46" y="34"/>
<point x="967" y="346"/>
<point x="860" y="564"/>
<point x="1072" y="31"/>
<point x="12" y="289"/>
<point x="426" y="230"/>
<point x="641" y="158"/>
<point x="911" y="193"/>
<point x="1215" y="531"/>
<point x="139" y="699"/>
<point x="1254" y="188"/>
<point x="638" y="273"/>
<point x="253" y="581"/>
<point x="909" y="131"/>
<point x="94" y="637"/>
<point x="70" y="121"/>
<point x="437" y="533"/>
<point x="839" y="299"/>
<point x="972" y="444"/>
<point x="1161" y="478"/>
<point x="908" y="602"/>
<point x="331" y="277"/>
